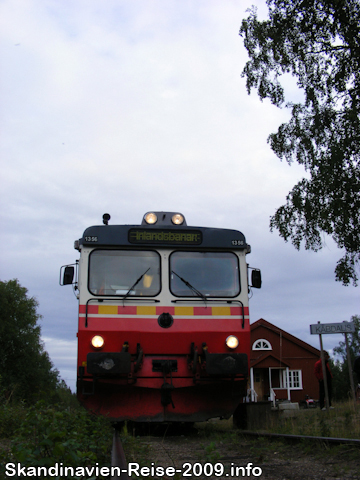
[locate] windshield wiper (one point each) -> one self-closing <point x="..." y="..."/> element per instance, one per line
<point x="192" y="288"/>
<point x="132" y="286"/>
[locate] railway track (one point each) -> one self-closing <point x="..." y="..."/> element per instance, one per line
<point x="118" y="458"/>
<point x="300" y="438"/>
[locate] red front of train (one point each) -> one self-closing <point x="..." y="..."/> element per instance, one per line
<point x="164" y="329"/>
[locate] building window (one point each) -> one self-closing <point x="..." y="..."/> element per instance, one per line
<point x="295" y="379"/>
<point x="262" y="344"/>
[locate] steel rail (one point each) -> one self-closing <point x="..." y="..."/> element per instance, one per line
<point x="299" y="438"/>
<point x="118" y="458"/>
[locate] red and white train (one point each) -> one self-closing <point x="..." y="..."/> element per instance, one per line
<point x="164" y="329"/>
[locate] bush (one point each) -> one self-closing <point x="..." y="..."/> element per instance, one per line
<point x="11" y="418"/>
<point x="51" y="434"/>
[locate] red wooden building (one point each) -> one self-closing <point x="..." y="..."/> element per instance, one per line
<point x="281" y="365"/>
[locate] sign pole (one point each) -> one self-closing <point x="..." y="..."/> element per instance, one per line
<point x="324" y="373"/>
<point x="350" y="369"/>
<point x="325" y="328"/>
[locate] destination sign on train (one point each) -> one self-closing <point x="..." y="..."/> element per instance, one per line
<point x="326" y="328"/>
<point x="171" y="237"/>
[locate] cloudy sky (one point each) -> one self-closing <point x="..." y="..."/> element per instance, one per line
<point x="124" y="107"/>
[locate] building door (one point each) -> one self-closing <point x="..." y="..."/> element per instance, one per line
<point x="261" y="383"/>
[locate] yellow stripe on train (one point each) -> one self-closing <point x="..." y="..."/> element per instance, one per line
<point x="184" y="310"/>
<point x="221" y="311"/>
<point x="108" y="310"/>
<point x="144" y="310"/>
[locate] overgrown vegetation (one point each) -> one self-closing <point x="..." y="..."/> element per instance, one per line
<point x="44" y="435"/>
<point x="41" y="421"/>
<point x="342" y="422"/>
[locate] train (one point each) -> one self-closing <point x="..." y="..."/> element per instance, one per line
<point x="163" y="332"/>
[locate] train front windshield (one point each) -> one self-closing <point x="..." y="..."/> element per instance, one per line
<point x="124" y="272"/>
<point x="212" y="274"/>
<point x="137" y="273"/>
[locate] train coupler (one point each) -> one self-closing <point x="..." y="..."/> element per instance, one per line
<point x="166" y="397"/>
<point x="166" y="367"/>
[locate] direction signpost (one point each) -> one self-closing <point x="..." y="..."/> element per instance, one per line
<point x="333" y="328"/>
<point x="326" y="328"/>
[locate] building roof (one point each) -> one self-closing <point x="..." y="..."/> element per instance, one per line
<point x="268" y="359"/>
<point x="264" y="323"/>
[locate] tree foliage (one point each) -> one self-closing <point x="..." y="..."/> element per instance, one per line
<point x="340" y="368"/>
<point x="353" y="342"/>
<point x="25" y="368"/>
<point x="319" y="44"/>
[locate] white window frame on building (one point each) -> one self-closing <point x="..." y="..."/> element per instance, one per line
<point x="262" y="344"/>
<point x="295" y="379"/>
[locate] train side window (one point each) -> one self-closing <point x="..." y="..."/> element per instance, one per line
<point x="114" y="272"/>
<point x="212" y="274"/>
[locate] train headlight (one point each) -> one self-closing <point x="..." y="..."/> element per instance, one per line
<point x="150" y="218"/>
<point x="232" y="342"/>
<point x="97" y="341"/>
<point x="177" y="219"/>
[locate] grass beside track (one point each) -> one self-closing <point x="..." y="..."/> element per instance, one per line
<point x="341" y="422"/>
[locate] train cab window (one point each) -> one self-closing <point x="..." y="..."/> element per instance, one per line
<point x="210" y="274"/>
<point x="124" y="272"/>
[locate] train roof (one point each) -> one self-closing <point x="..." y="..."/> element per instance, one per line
<point x="163" y="233"/>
